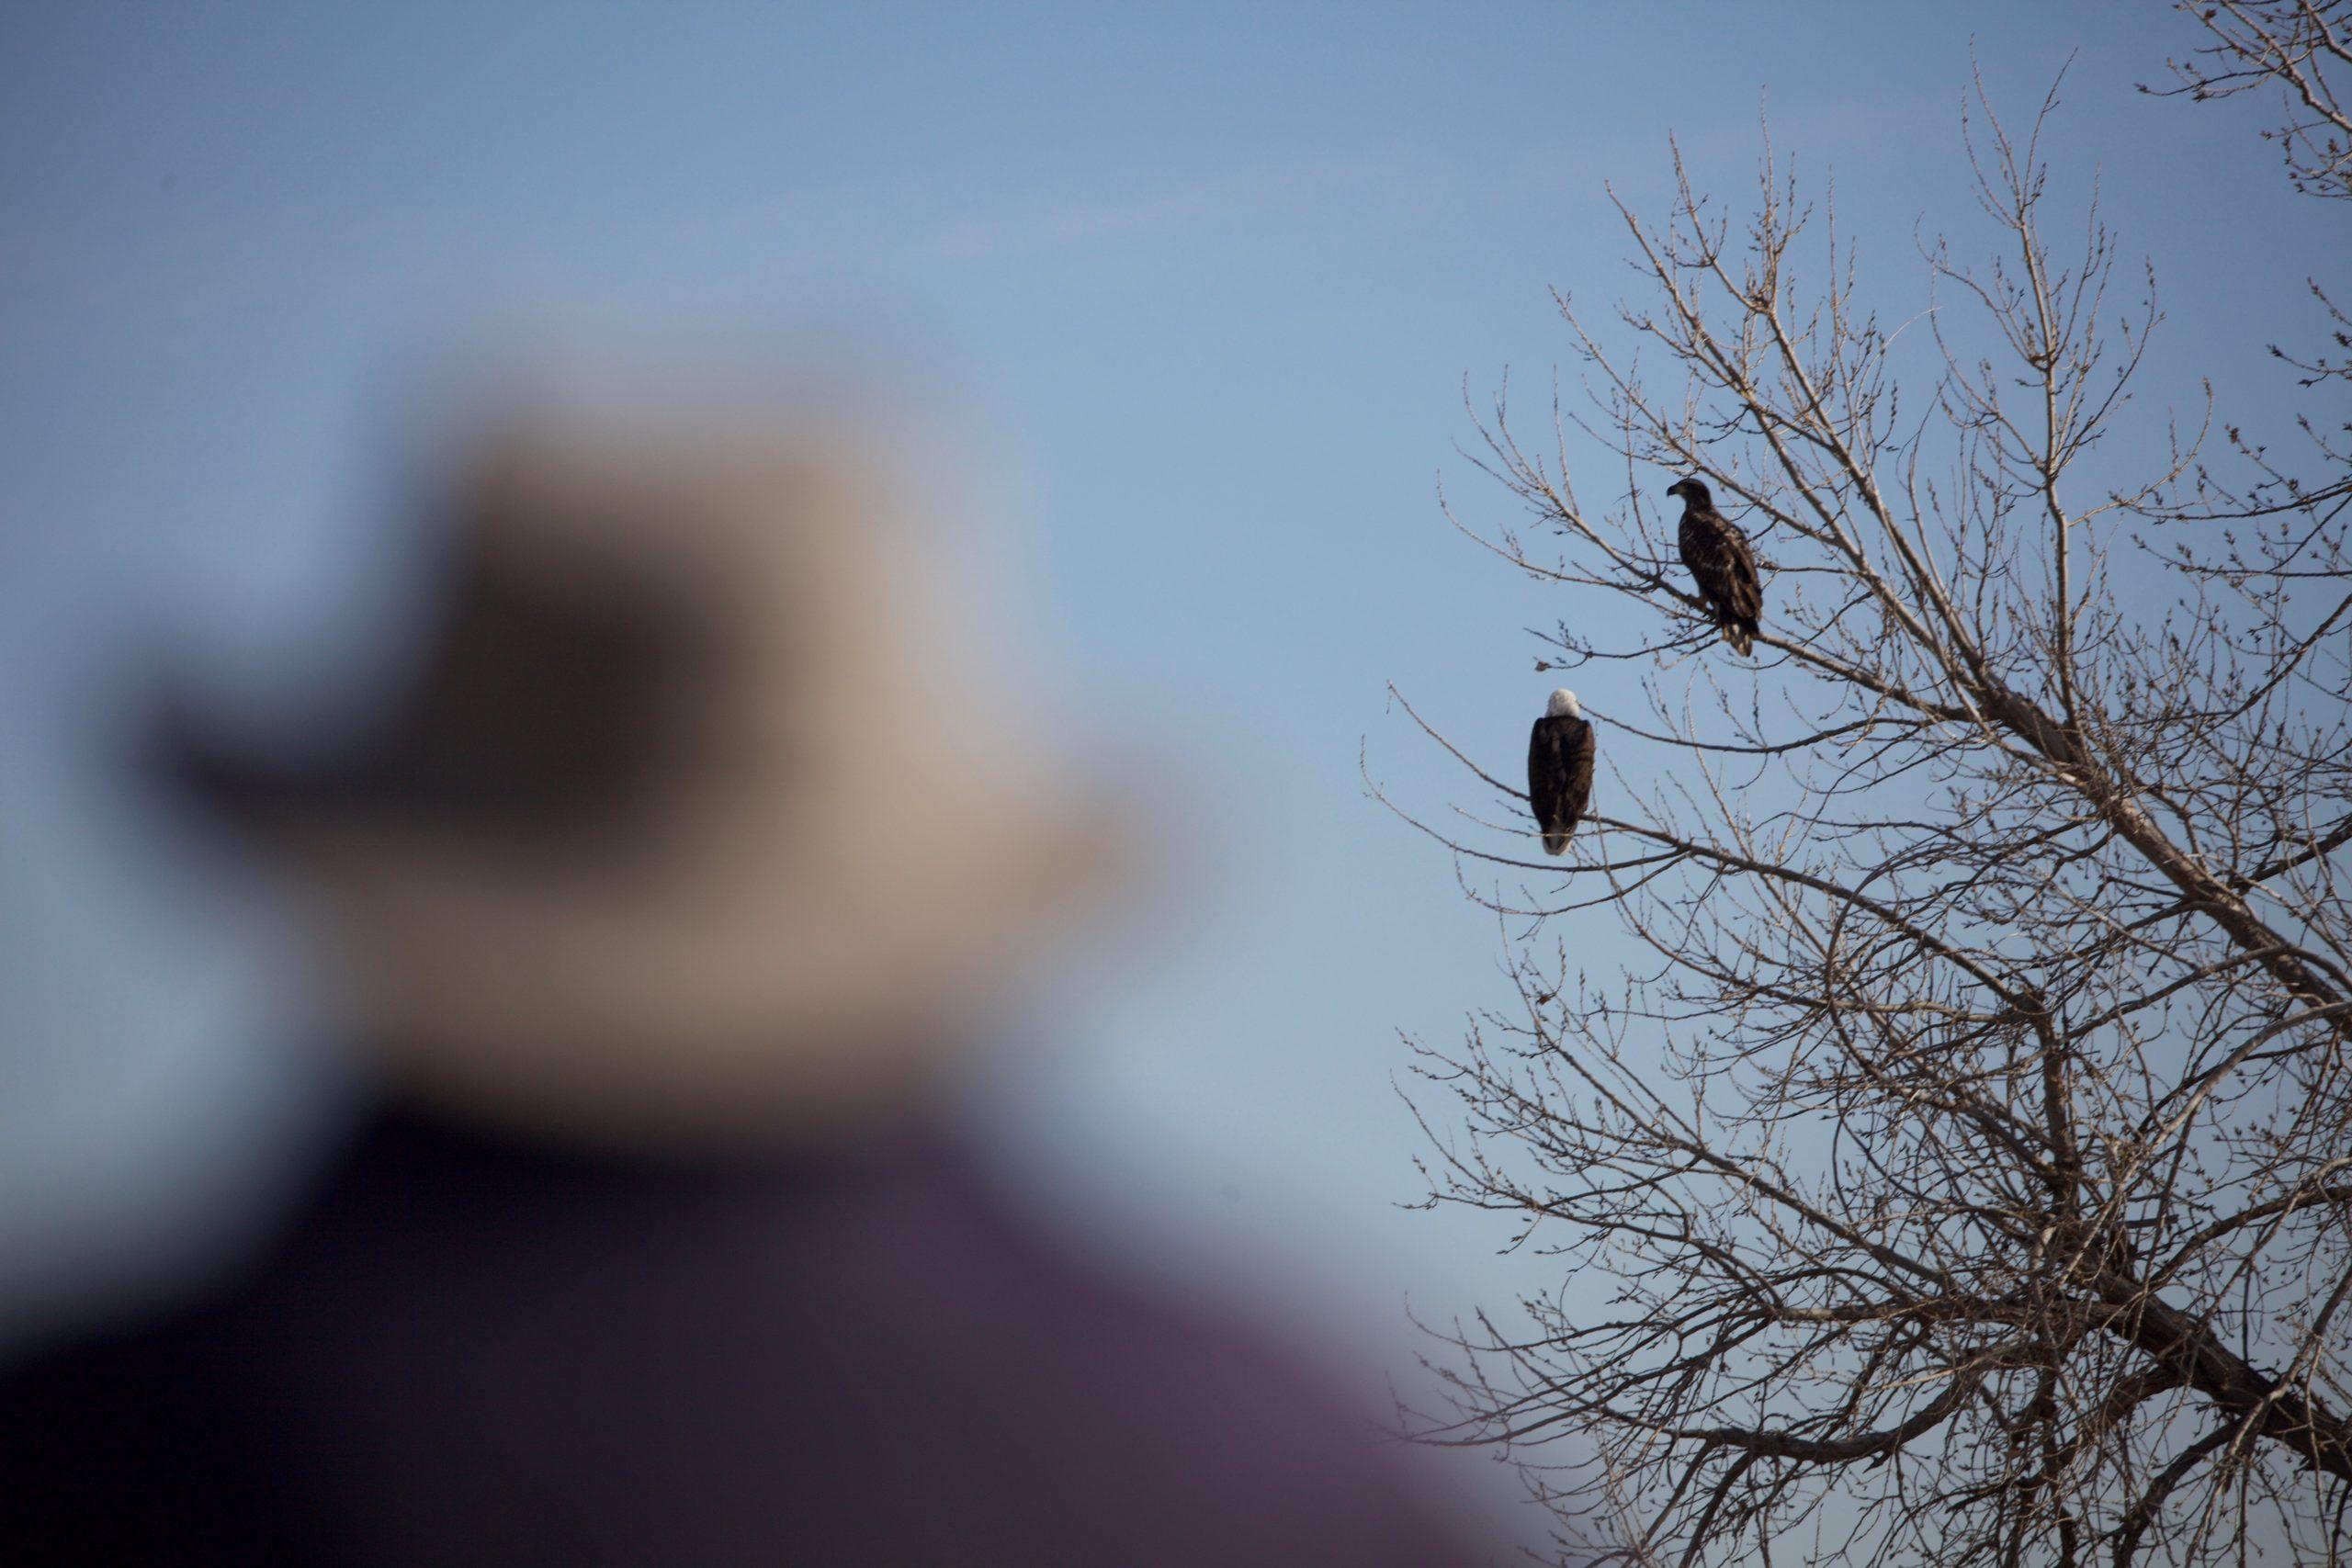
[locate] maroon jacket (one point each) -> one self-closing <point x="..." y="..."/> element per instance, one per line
<point x="469" y="1352"/>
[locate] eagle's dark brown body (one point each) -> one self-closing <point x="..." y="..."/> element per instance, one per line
<point x="1721" y="563"/>
<point x="1559" y="776"/>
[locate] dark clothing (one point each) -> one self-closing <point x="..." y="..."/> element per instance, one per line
<point x="468" y="1352"/>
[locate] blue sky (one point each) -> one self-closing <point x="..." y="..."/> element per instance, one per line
<point x="1191" y="290"/>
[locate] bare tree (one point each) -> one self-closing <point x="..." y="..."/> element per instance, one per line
<point x="2298" y="49"/>
<point x="1969" y="1150"/>
<point x="2291" y="521"/>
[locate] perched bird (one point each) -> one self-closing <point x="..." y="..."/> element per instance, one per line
<point x="1723" y="563"/>
<point x="1559" y="769"/>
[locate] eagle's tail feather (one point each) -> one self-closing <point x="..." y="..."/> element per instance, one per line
<point x="1556" y="841"/>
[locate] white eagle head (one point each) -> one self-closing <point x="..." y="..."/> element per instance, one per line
<point x="1563" y="706"/>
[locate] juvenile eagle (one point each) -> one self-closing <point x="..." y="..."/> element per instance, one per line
<point x="1559" y="769"/>
<point x="1724" y="566"/>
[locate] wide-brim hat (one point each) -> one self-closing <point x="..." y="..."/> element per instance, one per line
<point x="703" y="813"/>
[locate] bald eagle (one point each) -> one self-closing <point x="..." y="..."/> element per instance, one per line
<point x="1559" y="769"/>
<point x="1724" y="566"/>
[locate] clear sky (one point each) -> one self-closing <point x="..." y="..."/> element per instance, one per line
<point x="1194" y="290"/>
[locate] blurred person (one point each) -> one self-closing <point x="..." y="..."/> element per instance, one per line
<point x="663" y="895"/>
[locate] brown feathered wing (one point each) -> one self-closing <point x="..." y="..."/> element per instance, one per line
<point x="1724" y="564"/>
<point x="1559" y="777"/>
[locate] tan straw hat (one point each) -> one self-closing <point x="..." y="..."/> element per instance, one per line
<point x="700" y="820"/>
